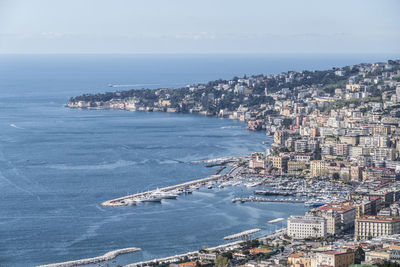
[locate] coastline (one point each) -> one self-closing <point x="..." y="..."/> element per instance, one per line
<point x="107" y="256"/>
<point x="194" y="254"/>
<point x="125" y="106"/>
<point x="198" y="182"/>
<point x="165" y="260"/>
<point x="286" y="109"/>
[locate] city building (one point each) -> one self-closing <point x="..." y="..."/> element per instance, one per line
<point x="335" y="258"/>
<point x="372" y="226"/>
<point x="301" y="227"/>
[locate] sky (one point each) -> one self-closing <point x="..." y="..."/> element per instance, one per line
<point x="204" y="26"/>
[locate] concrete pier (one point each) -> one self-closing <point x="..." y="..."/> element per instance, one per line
<point x="124" y="201"/>
<point x="108" y="256"/>
<point x="223" y="159"/>
<point x="261" y="199"/>
<point x="244" y="235"/>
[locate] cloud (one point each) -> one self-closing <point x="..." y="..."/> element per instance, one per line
<point x="52" y="35"/>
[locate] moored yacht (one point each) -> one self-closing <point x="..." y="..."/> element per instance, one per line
<point x="164" y="195"/>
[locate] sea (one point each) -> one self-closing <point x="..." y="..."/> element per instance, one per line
<point x="58" y="164"/>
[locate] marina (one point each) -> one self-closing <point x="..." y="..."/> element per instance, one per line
<point x="290" y="189"/>
<point x="169" y="192"/>
<point x="230" y="178"/>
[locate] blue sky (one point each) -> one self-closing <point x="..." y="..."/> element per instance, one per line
<point x="206" y="26"/>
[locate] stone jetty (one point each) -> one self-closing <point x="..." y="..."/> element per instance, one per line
<point x="108" y="256"/>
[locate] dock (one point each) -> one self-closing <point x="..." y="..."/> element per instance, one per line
<point x="262" y="199"/>
<point x="244" y="235"/>
<point x="108" y="256"/>
<point x="276" y="220"/>
<point x="124" y="201"/>
<point x="273" y="193"/>
<point x="223" y="159"/>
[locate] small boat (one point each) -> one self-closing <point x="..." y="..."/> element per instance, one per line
<point x="130" y="202"/>
<point x="151" y="199"/>
<point x="187" y="191"/>
<point x="252" y="184"/>
<point x="164" y="195"/>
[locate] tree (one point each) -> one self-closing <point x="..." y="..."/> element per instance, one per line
<point x="388" y="264"/>
<point x="359" y="255"/>
<point x="336" y="176"/>
<point x="222" y="261"/>
<point x="287" y="122"/>
<point x="339" y="225"/>
<point x="318" y="154"/>
<point x="228" y="255"/>
<point x="315" y="229"/>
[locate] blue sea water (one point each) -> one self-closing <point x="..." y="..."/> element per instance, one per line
<point x="58" y="164"/>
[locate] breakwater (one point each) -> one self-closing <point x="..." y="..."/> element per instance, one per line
<point x="124" y="201"/>
<point x="108" y="256"/>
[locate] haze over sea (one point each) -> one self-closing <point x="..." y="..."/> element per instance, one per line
<point x="58" y="164"/>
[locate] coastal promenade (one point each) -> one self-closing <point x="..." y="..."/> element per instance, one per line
<point x="195" y="254"/>
<point x="108" y="256"/>
<point x="189" y="255"/>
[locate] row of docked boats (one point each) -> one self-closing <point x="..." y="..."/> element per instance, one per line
<point x="158" y="195"/>
<point x="226" y="184"/>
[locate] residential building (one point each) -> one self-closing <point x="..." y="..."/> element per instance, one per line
<point x="345" y="210"/>
<point x="300" y="227"/>
<point x="335" y="258"/>
<point x="318" y="168"/>
<point x="372" y="226"/>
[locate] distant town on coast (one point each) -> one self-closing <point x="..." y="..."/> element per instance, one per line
<point x="336" y="148"/>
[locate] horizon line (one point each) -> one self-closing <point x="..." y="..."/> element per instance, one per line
<point x="214" y="53"/>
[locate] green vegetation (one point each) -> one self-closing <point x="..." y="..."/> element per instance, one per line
<point x="359" y="255"/>
<point x="222" y="261"/>
<point x="388" y="264"/>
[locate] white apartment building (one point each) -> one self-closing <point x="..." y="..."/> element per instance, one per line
<point x="300" y="227"/>
<point x="372" y="226"/>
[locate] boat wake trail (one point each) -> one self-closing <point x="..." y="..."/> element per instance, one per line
<point x="133" y="85"/>
<point x="102" y="166"/>
<point x="92" y="230"/>
<point x="16" y="127"/>
<point x="3" y="178"/>
<point x="7" y="169"/>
